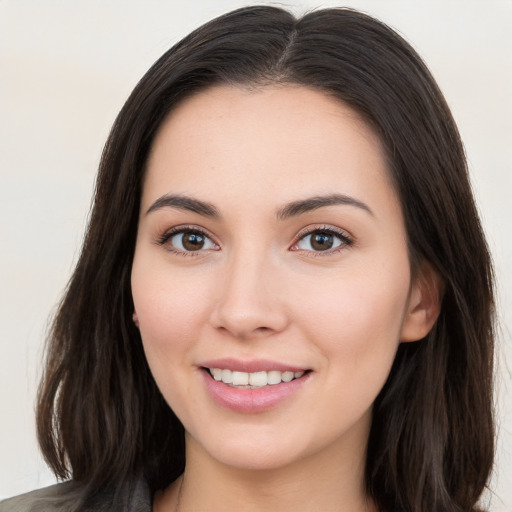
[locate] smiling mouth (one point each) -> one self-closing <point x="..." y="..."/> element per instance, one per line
<point x="253" y="380"/>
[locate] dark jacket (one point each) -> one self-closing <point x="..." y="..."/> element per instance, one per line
<point x="67" y="497"/>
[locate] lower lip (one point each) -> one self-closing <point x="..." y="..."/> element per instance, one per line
<point x="252" y="401"/>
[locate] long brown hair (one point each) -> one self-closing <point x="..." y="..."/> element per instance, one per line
<point x="101" y="419"/>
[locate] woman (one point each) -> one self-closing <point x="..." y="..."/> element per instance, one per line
<point x="284" y="299"/>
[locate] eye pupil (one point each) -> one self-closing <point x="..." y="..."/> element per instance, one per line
<point x="192" y="241"/>
<point x="322" y="241"/>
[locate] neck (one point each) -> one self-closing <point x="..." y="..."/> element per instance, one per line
<point x="322" y="481"/>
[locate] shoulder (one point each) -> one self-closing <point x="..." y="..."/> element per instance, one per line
<point x="49" y="499"/>
<point x="69" y="497"/>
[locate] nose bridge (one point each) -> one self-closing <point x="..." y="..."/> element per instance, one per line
<point x="249" y="302"/>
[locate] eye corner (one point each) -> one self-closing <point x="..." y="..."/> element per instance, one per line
<point x="339" y="240"/>
<point x="179" y="247"/>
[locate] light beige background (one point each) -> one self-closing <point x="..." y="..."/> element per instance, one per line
<point x="66" y="68"/>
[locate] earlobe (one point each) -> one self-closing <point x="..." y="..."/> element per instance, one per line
<point x="135" y="318"/>
<point x="424" y="304"/>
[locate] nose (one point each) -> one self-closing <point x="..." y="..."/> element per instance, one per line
<point x="250" y="301"/>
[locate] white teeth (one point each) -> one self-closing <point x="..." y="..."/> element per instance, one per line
<point x="240" y="378"/>
<point x="258" y="379"/>
<point x="287" y="376"/>
<point x="274" y="377"/>
<point x="255" y="379"/>
<point x="227" y="376"/>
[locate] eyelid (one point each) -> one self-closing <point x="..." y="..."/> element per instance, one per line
<point x="185" y="228"/>
<point x="345" y="237"/>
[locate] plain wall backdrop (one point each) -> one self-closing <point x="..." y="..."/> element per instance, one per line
<point x="65" y="70"/>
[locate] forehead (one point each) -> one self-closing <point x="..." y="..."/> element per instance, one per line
<point x="284" y="140"/>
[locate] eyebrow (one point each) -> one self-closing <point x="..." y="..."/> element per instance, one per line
<point x="313" y="203"/>
<point x="184" y="203"/>
<point x="292" y="209"/>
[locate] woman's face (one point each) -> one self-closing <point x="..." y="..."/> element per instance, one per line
<point x="271" y="245"/>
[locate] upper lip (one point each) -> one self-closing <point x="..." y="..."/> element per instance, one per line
<point x="251" y="366"/>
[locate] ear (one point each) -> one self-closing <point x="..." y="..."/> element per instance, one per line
<point x="424" y="304"/>
<point x="135" y="318"/>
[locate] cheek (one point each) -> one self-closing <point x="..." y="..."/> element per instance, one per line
<point x="171" y="312"/>
<point x="171" y="309"/>
<point x="356" y="320"/>
<point x="356" y="330"/>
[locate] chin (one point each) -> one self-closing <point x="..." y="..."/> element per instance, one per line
<point x="255" y="459"/>
<point x="252" y="452"/>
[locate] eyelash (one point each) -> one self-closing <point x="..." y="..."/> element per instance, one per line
<point x="162" y="240"/>
<point x="346" y="240"/>
<point x="343" y="236"/>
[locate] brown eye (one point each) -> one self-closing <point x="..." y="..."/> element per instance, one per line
<point x="190" y="241"/>
<point x="322" y="241"/>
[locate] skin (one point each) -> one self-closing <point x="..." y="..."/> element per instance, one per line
<point x="258" y="289"/>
